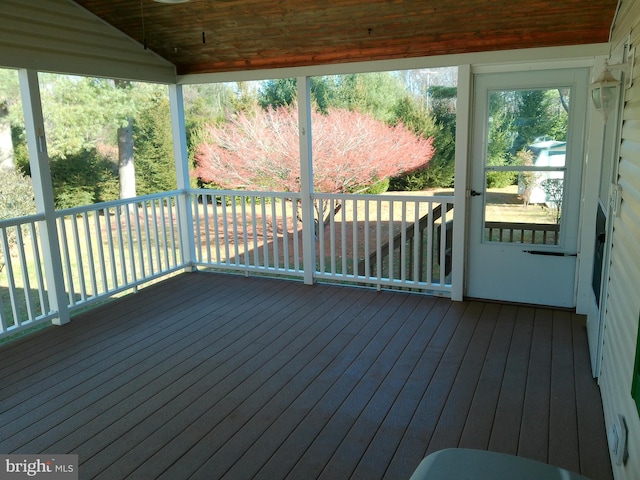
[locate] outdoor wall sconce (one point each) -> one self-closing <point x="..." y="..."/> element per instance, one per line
<point x="605" y="91"/>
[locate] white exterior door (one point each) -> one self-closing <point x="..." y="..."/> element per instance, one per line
<point x="525" y="181"/>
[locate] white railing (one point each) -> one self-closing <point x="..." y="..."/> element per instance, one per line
<point x="110" y="247"/>
<point x="23" y="299"/>
<point x="384" y="240"/>
<point x="105" y="249"/>
<point x="390" y="241"/>
<point x="255" y="232"/>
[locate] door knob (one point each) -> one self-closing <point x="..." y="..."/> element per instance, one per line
<point x="473" y="193"/>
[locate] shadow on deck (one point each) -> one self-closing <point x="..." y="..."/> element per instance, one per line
<point x="219" y="376"/>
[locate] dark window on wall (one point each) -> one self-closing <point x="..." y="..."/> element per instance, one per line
<point x="635" y="388"/>
<point x="601" y="238"/>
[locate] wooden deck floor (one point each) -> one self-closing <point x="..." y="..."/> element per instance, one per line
<point x="214" y="376"/>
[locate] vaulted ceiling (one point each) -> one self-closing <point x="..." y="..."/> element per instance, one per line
<point x="203" y="36"/>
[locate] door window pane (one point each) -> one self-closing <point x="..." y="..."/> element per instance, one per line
<point x="525" y="166"/>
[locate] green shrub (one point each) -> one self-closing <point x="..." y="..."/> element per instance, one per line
<point x="83" y="179"/>
<point x="16" y="195"/>
<point x="379" y="187"/>
<point x="70" y="197"/>
<point x="501" y="179"/>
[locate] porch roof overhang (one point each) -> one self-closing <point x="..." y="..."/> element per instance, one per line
<point x="205" y="36"/>
<point x="205" y="40"/>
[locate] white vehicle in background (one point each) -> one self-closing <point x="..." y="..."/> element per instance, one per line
<point x="536" y="188"/>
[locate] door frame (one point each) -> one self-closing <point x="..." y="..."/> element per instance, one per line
<point x="577" y="126"/>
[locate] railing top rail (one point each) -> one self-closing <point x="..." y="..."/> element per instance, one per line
<point x="115" y="203"/>
<point x="12" y="222"/>
<point x="387" y="197"/>
<point x="549" y="227"/>
<point x="248" y="193"/>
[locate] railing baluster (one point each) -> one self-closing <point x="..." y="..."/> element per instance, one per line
<point x="216" y="225"/>
<point x="332" y="234"/>
<point x="78" y="257"/>
<point x="367" y="240"/>
<point x="207" y="228"/>
<point x="403" y="244"/>
<point x="172" y="228"/>
<point x="124" y="271"/>
<point x="8" y="265"/>
<point x="37" y="260"/>
<point x="294" y="226"/>
<point x="417" y="244"/>
<point x="355" y="244"/>
<point x="443" y="246"/>
<point x="392" y="275"/>
<point x="320" y="235"/>
<point x="156" y="236"/>
<point x="163" y="225"/>
<point x="273" y="236"/>
<point x="4" y="255"/>
<point x="197" y="227"/>
<point x="144" y="239"/>
<point x="100" y="247"/>
<point x="254" y="231"/>
<point x="430" y="231"/>
<point x="89" y="247"/>
<point x="234" y="213"/>
<point x="112" y="253"/>
<point x="379" y="243"/>
<point x="26" y="283"/>
<point x="265" y="246"/>
<point x="343" y="239"/>
<point x="245" y="235"/>
<point x="285" y="233"/>
<point x="225" y="228"/>
<point x="130" y="242"/>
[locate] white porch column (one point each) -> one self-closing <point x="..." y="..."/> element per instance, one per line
<point x="181" y="158"/>
<point x="43" y="190"/>
<point x="306" y="180"/>
<point x="463" y="125"/>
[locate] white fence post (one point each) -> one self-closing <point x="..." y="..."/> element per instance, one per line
<point x="43" y="190"/>
<point x="306" y="180"/>
<point x="185" y="216"/>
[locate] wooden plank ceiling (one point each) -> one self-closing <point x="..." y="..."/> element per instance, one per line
<point x="204" y="36"/>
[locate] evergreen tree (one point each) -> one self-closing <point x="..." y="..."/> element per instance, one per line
<point x="155" y="168"/>
<point x="500" y="138"/>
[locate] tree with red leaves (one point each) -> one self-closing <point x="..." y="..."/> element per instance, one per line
<point x="258" y="150"/>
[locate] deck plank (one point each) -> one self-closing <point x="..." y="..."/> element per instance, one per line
<point x="143" y="382"/>
<point x="224" y="376"/>
<point x="217" y="376"/>
<point x="506" y="427"/>
<point x="534" y="431"/>
<point x="419" y="432"/>
<point x="385" y="442"/>
<point x="482" y="412"/>
<point x="312" y="433"/>
<point x="563" y="428"/>
<point x="448" y="431"/>
<point x="590" y="417"/>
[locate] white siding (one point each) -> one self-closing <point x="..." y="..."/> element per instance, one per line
<point x="623" y="302"/>
<point x="59" y="36"/>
